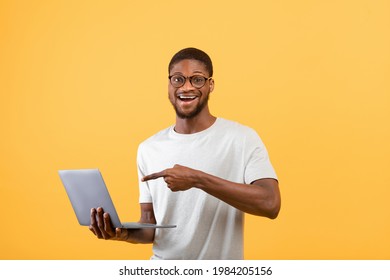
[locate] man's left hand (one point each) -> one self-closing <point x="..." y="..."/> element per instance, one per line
<point x="178" y="178"/>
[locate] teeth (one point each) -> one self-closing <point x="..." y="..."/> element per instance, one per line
<point x="186" y="97"/>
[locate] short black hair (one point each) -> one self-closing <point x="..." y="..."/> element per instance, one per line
<point x="195" y="54"/>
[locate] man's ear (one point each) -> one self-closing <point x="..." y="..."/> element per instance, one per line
<point x="211" y="85"/>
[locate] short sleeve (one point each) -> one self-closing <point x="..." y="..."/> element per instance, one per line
<point x="258" y="165"/>
<point x="144" y="192"/>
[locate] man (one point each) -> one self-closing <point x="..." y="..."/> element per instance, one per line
<point x="201" y="174"/>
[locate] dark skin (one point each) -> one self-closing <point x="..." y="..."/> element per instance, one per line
<point x="261" y="197"/>
<point x="102" y="227"/>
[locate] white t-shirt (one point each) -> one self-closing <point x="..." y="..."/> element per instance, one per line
<point x="207" y="228"/>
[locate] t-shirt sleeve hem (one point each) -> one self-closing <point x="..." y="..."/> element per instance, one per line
<point x="144" y="199"/>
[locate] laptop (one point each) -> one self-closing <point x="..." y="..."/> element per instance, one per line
<point x="86" y="189"/>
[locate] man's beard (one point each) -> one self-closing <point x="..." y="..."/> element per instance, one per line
<point x="195" y="112"/>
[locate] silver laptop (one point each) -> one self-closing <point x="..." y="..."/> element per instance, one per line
<point x="86" y="190"/>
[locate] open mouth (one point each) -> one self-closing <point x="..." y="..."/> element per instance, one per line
<point x="183" y="97"/>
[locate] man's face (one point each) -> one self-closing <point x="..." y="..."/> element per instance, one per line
<point x="188" y="100"/>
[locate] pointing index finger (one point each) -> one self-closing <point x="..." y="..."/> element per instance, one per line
<point x="153" y="176"/>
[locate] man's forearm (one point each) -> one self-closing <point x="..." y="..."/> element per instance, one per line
<point x="140" y="236"/>
<point x="261" y="198"/>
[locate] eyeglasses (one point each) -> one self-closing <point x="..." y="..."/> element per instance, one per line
<point x="197" y="81"/>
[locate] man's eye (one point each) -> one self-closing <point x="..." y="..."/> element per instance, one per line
<point x="178" y="79"/>
<point x="198" y="79"/>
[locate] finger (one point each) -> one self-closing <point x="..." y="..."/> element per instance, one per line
<point x="107" y="225"/>
<point x="153" y="176"/>
<point x="121" y="234"/>
<point x="94" y="227"/>
<point x="100" y="223"/>
<point x="91" y="229"/>
<point x="118" y="232"/>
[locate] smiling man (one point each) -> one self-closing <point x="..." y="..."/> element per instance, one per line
<point x="201" y="174"/>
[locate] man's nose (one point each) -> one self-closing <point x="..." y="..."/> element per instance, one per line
<point x="187" y="85"/>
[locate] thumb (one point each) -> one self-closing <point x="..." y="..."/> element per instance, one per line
<point x="121" y="234"/>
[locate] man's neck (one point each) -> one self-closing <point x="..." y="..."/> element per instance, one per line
<point x="195" y="124"/>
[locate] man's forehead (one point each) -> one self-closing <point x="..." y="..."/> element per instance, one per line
<point x="192" y="65"/>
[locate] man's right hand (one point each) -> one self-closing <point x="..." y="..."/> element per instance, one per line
<point x="102" y="227"/>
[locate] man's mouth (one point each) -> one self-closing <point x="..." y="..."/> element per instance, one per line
<point x="184" y="97"/>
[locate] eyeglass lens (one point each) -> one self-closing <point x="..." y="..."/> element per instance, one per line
<point x="196" y="81"/>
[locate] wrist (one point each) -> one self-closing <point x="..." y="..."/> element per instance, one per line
<point x="200" y="180"/>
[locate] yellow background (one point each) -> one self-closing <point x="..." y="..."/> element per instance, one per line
<point x="82" y="83"/>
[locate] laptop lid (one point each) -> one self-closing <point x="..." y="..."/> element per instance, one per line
<point x="86" y="189"/>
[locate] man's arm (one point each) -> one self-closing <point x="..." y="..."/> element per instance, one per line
<point x="261" y="198"/>
<point x="102" y="227"/>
